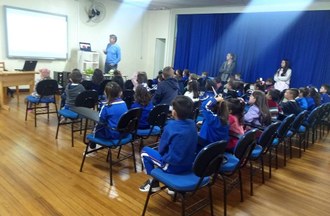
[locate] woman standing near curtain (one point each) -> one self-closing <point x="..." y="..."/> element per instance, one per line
<point x="282" y="76"/>
<point x="227" y="68"/>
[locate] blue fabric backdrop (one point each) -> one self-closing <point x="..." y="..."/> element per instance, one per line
<point x="260" y="41"/>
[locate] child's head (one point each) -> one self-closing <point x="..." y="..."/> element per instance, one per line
<point x="205" y="74"/>
<point x="182" y="107"/>
<point x="291" y="93"/>
<point x="237" y="76"/>
<point x="112" y="91"/>
<point x="270" y="81"/>
<point x="97" y="77"/>
<point x="273" y="94"/>
<point x="178" y="73"/>
<point x="303" y="92"/>
<point x="221" y="109"/>
<point x="186" y="72"/>
<point x="258" y="98"/>
<point x="193" y="87"/>
<point x="142" y="96"/>
<point x="44" y="73"/>
<point x="209" y="84"/>
<point x="75" y="76"/>
<point x="325" y="89"/>
<point x="236" y="107"/>
<point x="142" y="77"/>
<point x="168" y="72"/>
<point x="193" y="76"/>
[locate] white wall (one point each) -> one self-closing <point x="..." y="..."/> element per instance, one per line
<point x="123" y="20"/>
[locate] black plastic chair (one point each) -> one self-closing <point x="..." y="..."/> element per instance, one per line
<point x="263" y="144"/>
<point x="281" y="135"/>
<point x="127" y="127"/>
<point x="204" y="174"/>
<point x="296" y="129"/>
<point x="86" y="99"/>
<point x="156" y="119"/>
<point x="88" y="85"/>
<point x="310" y="125"/>
<point x="46" y="90"/>
<point x="235" y="162"/>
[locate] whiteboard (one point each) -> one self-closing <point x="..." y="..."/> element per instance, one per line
<point x="32" y="34"/>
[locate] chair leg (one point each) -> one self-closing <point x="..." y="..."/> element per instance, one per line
<point x="270" y="163"/>
<point x="72" y="133"/>
<point x="84" y="157"/>
<point x="284" y="152"/>
<point x="251" y="178"/>
<point x="35" y="115"/>
<point x="224" y="197"/>
<point x="110" y="163"/>
<point x="58" y="125"/>
<point x="262" y="169"/>
<point x="276" y="158"/>
<point x="147" y="200"/>
<point x="26" y="110"/>
<point x="211" y="199"/>
<point x="290" y="147"/>
<point x="133" y="155"/>
<point x="240" y="184"/>
<point x="183" y="204"/>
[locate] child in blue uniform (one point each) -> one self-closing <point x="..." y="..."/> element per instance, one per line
<point x="143" y="99"/>
<point x="177" y="146"/>
<point x="215" y="126"/>
<point x="111" y="112"/>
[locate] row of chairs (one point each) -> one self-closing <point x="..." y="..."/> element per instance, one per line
<point x="207" y="168"/>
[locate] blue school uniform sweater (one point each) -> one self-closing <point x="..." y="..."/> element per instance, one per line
<point x="178" y="144"/>
<point x="212" y="129"/>
<point x="302" y="103"/>
<point x="110" y="115"/>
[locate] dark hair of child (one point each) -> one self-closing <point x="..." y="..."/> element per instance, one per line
<point x="222" y="112"/>
<point x="142" y="77"/>
<point x="193" y="87"/>
<point x="97" y="77"/>
<point x="236" y="107"/>
<point x="275" y="94"/>
<point x="294" y="92"/>
<point x="315" y="95"/>
<point x="113" y="91"/>
<point x="326" y="87"/>
<point x="142" y="95"/>
<point x="261" y="103"/>
<point x="303" y="91"/>
<point x="183" y="107"/>
<point x="209" y="84"/>
<point x="76" y="76"/>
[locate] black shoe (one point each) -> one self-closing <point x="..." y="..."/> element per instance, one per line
<point x="146" y="186"/>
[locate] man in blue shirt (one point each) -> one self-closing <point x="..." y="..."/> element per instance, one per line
<point x="113" y="53"/>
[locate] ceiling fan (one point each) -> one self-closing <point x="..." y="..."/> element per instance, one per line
<point x="96" y="12"/>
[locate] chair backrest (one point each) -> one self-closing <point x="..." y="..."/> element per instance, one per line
<point x="158" y="115"/>
<point x="209" y="159"/>
<point x="267" y="136"/>
<point x="245" y="146"/>
<point x="196" y="107"/>
<point x="285" y="126"/>
<point x="86" y="99"/>
<point x="299" y="119"/>
<point x="128" y="97"/>
<point x="88" y="85"/>
<point x="47" y="87"/>
<point x="102" y="86"/>
<point x="128" y="122"/>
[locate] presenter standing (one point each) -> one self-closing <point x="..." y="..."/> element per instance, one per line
<point x="227" y="68"/>
<point x="282" y="76"/>
<point x="113" y="54"/>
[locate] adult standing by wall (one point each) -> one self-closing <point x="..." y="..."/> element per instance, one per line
<point x="113" y="54"/>
<point x="227" y="68"/>
<point x="282" y="76"/>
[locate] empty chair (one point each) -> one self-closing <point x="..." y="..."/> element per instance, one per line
<point x="87" y="99"/>
<point x="281" y="135"/>
<point x="46" y="90"/>
<point x="263" y="144"/>
<point x="204" y="174"/>
<point x="156" y="119"/>
<point x="233" y="163"/>
<point x="127" y="127"/>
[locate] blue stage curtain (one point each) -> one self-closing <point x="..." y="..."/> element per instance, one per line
<point x="260" y="41"/>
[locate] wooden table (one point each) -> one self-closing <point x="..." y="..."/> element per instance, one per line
<point x="8" y="79"/>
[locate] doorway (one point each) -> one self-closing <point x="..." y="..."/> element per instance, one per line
<point x="159" y="55"/>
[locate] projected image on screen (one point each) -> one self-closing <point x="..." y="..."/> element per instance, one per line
<point x="35" y="34"/>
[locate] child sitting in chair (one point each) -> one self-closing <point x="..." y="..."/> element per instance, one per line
<point x="177" y="146"/>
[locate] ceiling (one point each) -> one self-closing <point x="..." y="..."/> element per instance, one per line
<point x="176" y="4"/>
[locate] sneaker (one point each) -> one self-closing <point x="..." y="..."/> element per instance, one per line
<point x="170" y="192"/>
<point x="146" y="186"/>
<point x="92" y="154"/>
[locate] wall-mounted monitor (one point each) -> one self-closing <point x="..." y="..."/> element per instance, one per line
<point x="35" y="34"/>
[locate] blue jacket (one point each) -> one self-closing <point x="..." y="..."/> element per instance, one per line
<point x="325" y="98"/>
<point x="212" y="129"/>
<point x="110" y="115"/>
<point x="178" y="143"/>
<point x="143" y="122"/>
<point x="166" y="91"/>
<point x="302" y="103"/>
